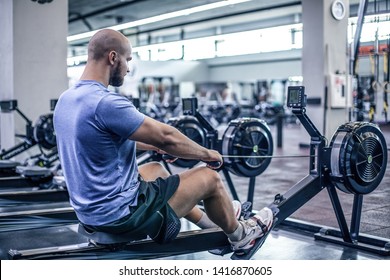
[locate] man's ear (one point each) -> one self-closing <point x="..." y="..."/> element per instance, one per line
<point x="112" y="57"/>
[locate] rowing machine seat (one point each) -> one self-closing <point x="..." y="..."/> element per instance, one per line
<point x="105" y="238"/>
<point x="159" y="229"/>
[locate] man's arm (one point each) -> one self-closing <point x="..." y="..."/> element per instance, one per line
<point x="146" y="147"/>
<point x="172" y="141"/>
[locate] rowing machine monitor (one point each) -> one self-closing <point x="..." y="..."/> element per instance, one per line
<point x="53" y="103"/>
<point x="190" y="106"/>
<point x="296" y="97"/>
<point x="8" y="105"/>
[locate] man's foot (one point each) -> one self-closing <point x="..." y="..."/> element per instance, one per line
<point x="255" y="227"/>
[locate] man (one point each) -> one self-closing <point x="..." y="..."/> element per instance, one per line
<point x="97" y="132"/>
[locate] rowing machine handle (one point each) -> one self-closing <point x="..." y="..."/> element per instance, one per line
<point x="168" y="157"/>
<point x="211" y="164"/>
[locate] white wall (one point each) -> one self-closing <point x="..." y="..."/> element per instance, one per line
<point x="6" y="70"/>
<point x="40" y="54"/>
<point x="33" y="52"/>
<point x="180" y="70"/>
<point x="250" y="68"/>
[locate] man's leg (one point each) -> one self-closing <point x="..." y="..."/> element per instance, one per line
<point x="151" y="171"/>
<point x="202" y="183"/>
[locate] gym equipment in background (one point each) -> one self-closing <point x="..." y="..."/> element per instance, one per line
<point x="41" y="134"/>
<point x="32" y="181"/>
<point x="246" y="144"/>
<point x="37" y="169"/>
<point x="28" y="139"/>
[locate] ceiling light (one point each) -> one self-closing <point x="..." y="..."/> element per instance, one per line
<point x="158" y="18"/>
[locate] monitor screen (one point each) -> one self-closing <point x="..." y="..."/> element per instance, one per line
<point x="293" y="96"/>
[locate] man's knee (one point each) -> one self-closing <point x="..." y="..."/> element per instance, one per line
<point x="213" y="179"/>
<point x="153" y="170"/>
<point x="156" y="165"/>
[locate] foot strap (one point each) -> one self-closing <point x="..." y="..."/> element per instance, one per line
<point x="262" y="226"/>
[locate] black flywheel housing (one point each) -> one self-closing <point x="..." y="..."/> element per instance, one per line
<point x="191" y="128"/>
<point x="358" y="157"/>
<point x="44" y="133"/>
<point x="249" y="143"/>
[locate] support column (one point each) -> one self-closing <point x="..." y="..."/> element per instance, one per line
<point x="325" y="64"/>
<point x="33" y="51"/>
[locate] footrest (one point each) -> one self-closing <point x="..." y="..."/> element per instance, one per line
<point x="256" y="247"/>
<point x="33" y="171"/>
<point x="221" y="251"/>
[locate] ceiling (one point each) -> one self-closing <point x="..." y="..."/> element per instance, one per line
<point x="88" y="15"/>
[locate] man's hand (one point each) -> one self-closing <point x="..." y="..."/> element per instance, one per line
<point x="168" y="158"/>
<point x="214" y="159"/>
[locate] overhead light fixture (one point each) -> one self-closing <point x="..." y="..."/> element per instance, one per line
<point x="158" y="18"/>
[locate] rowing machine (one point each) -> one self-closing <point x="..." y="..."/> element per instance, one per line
<point x="354" y="162"/>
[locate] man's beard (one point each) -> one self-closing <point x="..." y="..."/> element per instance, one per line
<point x="116" y="80"/>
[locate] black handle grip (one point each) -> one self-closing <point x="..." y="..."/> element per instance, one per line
<point x="167" y="157"/>
<point x="213" y="164"/>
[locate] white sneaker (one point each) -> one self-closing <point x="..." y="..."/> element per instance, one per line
<point x="254" y="228"/>
<point x="237" y="208"/>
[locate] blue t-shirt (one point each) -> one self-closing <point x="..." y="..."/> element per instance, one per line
<point x="92" y="126"/>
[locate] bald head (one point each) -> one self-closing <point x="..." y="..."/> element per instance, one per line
<point x="107" y="40"/>
<point x="109" y="53"/>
